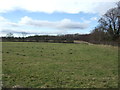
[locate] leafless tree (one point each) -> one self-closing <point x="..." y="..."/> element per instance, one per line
<point x="9" y="35"/>
<point x="23" y="35"/>
<point x="110" y="22"/>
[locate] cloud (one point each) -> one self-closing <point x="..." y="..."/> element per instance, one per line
<point x="94" y="18"/>
<point x="31" y="26"/>
<point x="6" y="30"/>
<point x="50" y="6"/>
<point x="4" y="22"/>
<point x="18" y="32"/>
<point x="14" y="31"/>
<point x="63" y="24"/>
<point x="6" y="25"/>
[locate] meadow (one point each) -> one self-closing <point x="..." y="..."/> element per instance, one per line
<point x="59" y="65"/>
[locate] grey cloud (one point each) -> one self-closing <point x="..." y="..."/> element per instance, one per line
<point x="5" y="31"/>
<point x="60" y="25"/>
<point x="13" y="24"/>
<point x="63" y="24"/>
<point x="74" y="26"/>
<point x="12" y="31"/>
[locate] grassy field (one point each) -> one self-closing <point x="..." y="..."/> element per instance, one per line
<point x="58" y="65"/>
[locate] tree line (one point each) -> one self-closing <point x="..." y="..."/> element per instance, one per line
<point x="68" y="38"/>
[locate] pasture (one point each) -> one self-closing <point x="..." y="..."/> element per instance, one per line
<point x="59" y="65"/>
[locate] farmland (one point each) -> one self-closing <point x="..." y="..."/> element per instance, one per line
<point x="59" y="65"/>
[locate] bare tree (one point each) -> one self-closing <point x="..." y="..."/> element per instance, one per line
<point x="10" y="36"/>
<point x="110" y="22"/>
<point x="23" y="35"/>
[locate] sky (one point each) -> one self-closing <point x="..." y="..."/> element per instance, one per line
<point x="51" y="17"/>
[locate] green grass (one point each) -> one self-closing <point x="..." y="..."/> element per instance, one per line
<point x="58" y="65"/>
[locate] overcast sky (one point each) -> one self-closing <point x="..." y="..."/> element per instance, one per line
<point x="51" y="17"/>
